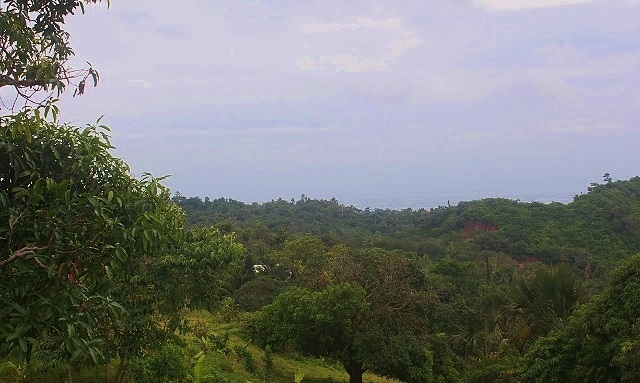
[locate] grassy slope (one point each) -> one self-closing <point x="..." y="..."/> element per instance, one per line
<point x="221" y="368"/>
<point x="231" y="369"/>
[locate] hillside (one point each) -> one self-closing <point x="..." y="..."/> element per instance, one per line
<point x="602" y="225"/>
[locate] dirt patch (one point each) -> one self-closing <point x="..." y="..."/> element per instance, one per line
<point x="472" y="227"/>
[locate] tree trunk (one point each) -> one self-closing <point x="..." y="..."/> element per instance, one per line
<point x="486" y="261"/>
<point x="355" y="375"/>
<point x="107" y="372"/>
<point x="123" y="362"/>
<point x="355" y="371"/>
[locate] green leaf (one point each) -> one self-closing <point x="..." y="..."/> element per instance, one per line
<point x="121" y="255"/>
<point x="19" y="309"/>
<point x="96" y="355"/>
<point x="76" y="355"/>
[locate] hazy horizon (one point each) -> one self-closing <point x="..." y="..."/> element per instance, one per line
<point x="415" y="201"/>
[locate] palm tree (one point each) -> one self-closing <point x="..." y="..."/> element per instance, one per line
<point x="543" y="302"/>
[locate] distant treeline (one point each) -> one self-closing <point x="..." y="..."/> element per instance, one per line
<point x="601" y="226"/>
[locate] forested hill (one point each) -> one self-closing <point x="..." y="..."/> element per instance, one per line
<point x="602" y="224"/>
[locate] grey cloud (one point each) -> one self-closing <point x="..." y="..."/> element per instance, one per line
<point x="131" y="17"/>
<point x="171" y="32"/>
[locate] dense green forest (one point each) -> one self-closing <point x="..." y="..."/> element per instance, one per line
<point x="596" y="229"/>
<point x="106" y="277"/>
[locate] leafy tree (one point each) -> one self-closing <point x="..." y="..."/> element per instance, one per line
<point x="156" y="290"/>
<point x="72" y="219"/>
<point x="257" y="293"/>
<point x="301" y="257"/>
<point x="35" y="50"/>
<point x="168" y="365"/>
<point x="319" y="323"/>
<point x="370" y="315"/>
<point x="199" y="262"/>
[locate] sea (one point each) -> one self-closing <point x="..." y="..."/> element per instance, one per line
<point x="416" y="201"/>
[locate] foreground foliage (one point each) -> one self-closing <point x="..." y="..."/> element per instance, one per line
<point x="71" y="219"/>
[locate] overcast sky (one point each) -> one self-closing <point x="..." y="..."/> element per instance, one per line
<point x="367" y="100"/>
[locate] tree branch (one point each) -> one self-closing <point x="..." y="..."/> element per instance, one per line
<point x="29" y="250"/>
<point x="26" y="83"/>
<point x="40" y="264"/>
<point x="20" y="253"/>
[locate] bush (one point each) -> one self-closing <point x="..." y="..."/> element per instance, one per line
<point x="257" y="293"/>
<point x="167" y="365"/>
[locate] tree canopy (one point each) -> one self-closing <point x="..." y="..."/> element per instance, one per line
<point x="593" y="232"/>
<point x="368" y="313"/>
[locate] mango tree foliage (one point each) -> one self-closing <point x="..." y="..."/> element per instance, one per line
<point x="34" y="49"/>
<point x="321" y="323"/>
<point x="300" y="257"/>
<point x="71" y="219"/>
<point x="257" y="293"/>
<point x="367" y="311"/>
